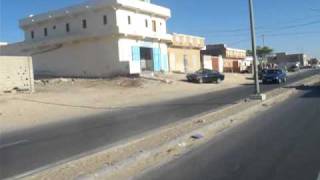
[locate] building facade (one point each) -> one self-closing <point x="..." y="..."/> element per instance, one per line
<point x="232" y="58"/>
<point x="184" y="53"/>
<point x="100" y="38"/>
<point x="286" y="60"/>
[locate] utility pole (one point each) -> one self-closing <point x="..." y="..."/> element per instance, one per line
<point x="258" y="94"/>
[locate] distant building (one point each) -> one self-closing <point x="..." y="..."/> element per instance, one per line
<point x="232" y="58"/>
<point x="184" y="53"/>
<point x="283" y="59"/>
<point x="100" y="38"/>
<point x="3" y="44"/>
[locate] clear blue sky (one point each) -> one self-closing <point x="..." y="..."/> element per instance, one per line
<point x="288" y="25"/>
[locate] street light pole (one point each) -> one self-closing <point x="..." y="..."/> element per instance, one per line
<point x="254" y="50"/>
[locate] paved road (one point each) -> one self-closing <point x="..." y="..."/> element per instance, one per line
<point x="280" y="144"/>
<point x="28" y="150"/>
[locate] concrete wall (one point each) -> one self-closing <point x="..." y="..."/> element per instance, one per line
<point x="138" y="25"/>
<point x="184" y="60"/>
<point x="16" y="72"/>
<point x="92" y="58"/>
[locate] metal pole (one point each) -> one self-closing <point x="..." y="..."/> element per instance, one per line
<point x="254" y="50"/>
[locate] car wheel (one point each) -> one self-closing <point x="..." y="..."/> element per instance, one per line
<point x="218" y="81"/>
<point x="285" y="80"/>
<point x="279" y="81"/>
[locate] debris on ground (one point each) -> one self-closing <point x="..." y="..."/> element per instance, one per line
<point x="197" y="136"/>
<point x="183" y="144"/>
<point x="130" y="82"/>
<point x="200" y="121"/>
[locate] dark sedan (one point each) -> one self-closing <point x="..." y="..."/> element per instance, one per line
<point x="274" y="76"/>
<point x="205" y="76"/>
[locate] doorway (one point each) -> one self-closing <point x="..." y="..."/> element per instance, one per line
<point x="146" y="56"/>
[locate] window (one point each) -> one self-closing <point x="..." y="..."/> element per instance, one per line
<point x="154" y="26"/>
<point x="54" y="27"/>
<point x="105" y="20"/>
<point x="32" y="34"/>
<point x="129" y="19"/>
<point x="68" y="27"/>
<point x="147" y="23"/>
<point x="45" y="32"/>
<point x="84" y="23"/>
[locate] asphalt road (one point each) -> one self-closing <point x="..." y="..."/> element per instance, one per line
<point x="28" y="150"/>
<point x="282" y="143"/>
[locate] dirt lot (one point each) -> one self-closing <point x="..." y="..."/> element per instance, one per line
<point x="60" y="99"/>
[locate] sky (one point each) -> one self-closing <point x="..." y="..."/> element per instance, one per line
<point x="291" y="26"/>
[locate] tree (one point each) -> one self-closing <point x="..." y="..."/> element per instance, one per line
<point x="262" y="52"/>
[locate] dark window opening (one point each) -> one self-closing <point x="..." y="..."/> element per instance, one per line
<point x="129" y="19"/>
<point x="32" y="34"/>
<point x="45" y="32"/>
<point x="105" y="20"/>
<point x="68" y="27"/>
<point x="54" y="27"/>
<point x="154" y="26"/>
<point x="147" y="23"/>
<point x="84" y="24"/>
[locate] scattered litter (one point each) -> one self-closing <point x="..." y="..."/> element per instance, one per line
<point x="246" y="100"/>
<point x="265" y="105"/>
<point x="170" y="150"/>
<point x="231" y="120"/>
<point x="197" y="136"/>
<point x="200" y="121"/>
<point x="182" y="144"/>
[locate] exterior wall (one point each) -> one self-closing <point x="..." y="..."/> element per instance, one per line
<point x="207" y="62"/>
<point x="16" y="72"/>
<point x="184" y="60"/>
<point x="56" y="28"/>
<point x="138" y="24"/>
<point x="232" y="65"/>
<point x="182" y="40"/>
<point x="93" y="58"/>
<point x="283" y="59"/>
<point x="217" y="63"/>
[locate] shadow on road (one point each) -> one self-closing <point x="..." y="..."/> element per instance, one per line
<point x="313" y="91"/>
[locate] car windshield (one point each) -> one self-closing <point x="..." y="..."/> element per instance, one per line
<point x="273" y="71"/>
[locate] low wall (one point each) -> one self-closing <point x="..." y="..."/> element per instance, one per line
<point x="16" y="73"/>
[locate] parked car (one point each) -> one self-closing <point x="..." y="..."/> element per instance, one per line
<point x="316" y="66"/>
<point x="261" y="73"/>
<point x="294" y="68"/>
<point x="205" y="76"/>
<point x="274" y="76"/>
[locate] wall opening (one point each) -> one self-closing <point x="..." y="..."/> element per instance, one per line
<point x="146" y="56"/>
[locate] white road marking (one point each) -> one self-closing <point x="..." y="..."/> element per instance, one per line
<point x="13" y="144"/>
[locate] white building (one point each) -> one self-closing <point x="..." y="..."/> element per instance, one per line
<point x="100" y="38"/>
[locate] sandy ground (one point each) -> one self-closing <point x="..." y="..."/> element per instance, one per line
<point x="60" y="99"/>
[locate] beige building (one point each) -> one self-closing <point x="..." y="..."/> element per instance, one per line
<point x="283" y="59"/>
<point x="16" y="73"/>
<point x="233" y="59"/>
<point x="184" y="53"/>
